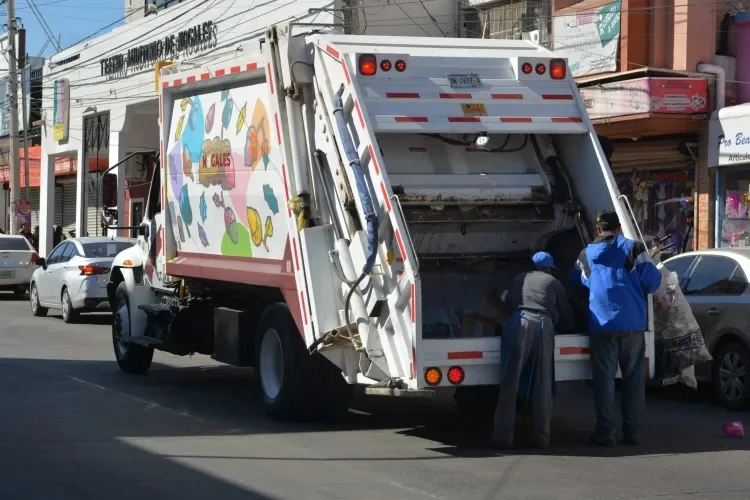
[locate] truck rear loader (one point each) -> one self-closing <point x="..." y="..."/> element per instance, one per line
<point x="337" y="210"/>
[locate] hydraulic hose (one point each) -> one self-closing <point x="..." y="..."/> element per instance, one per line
<point x="359" y="176"/>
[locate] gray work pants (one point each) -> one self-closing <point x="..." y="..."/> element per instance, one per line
<point x="529" y="338"/>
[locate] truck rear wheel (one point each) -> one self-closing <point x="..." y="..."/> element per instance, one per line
<point x="283" y="365"/>
<point x="131" y="358"/>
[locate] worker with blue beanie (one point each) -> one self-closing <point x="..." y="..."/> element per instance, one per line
<point x="540" y="304"/>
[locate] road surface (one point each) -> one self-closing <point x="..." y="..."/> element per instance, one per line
<point x="72" y="427"/>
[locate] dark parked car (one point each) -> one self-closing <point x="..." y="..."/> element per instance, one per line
<point x="715" y="283"/>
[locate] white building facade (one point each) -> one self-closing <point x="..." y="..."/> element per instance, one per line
<point x="100" y="99"/>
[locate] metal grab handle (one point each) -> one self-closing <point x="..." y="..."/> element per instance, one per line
<point x="408" y="233"/>
<point x="632" y="217"/>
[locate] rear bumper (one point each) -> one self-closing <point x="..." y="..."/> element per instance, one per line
<point x="21" y="279"/>
<point x="480" y="359"/>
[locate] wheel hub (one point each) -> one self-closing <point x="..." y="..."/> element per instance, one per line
<point x="732" y="376"/>
<point x="271" y="363"/>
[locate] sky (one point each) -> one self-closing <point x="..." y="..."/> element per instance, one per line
<point x="71" y="20"/>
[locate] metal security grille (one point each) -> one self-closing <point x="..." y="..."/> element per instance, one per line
<point x="509" y="19"/>
<point x="96" y="142"/>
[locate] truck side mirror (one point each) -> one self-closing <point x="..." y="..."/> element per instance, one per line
<point x="143" y="230"/>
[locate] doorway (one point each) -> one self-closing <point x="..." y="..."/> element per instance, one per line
<point x="137" y="207"/>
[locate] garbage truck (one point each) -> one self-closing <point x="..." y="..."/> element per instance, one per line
<point x="338" y="210"/>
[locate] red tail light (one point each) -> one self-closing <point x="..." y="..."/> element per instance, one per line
<point x="92" y="270"/>
<point x="368" y="66"/>
<point x="400" y="66"/>
<point x="527" y="68"/>
<point x="34" y="257"/>
<point x="540" y="69"/>
<point x="557" y="69"/>
<point x="385" y="65"/>
<point x="456" y="375"/>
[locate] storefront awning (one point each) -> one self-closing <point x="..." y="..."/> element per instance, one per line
<point x="649" y="125"/>
<point x="63" y="166"/>
<point x="729" y="132"/>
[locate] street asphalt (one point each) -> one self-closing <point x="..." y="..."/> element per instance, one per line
<point x="73" y="427"/>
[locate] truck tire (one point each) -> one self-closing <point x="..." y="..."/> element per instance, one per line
<point x="284" y="368"/>
<point x="131" y="358"/>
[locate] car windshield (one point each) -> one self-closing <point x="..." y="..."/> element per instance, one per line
<point x="105" y="248"/>
<point x="13" y="243"/>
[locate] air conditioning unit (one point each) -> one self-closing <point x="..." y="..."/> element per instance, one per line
<point x="532" y="36"/>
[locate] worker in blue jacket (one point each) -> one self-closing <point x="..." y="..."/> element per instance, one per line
<point x="619" y="274"/>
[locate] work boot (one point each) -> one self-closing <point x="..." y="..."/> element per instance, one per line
<point x="631" y="440"/>
<point x="603" y="442"/>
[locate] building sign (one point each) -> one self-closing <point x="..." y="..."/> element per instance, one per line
<point x="588" y="39"/>
<point x="684" y="96"/>
<point x="61" y="117"/>
<point x="195" y="39"/>
<point x="730" y="137"/>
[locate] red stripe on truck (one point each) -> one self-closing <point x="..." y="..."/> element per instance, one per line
<point x="270" y="79"/>
<point x="205" y="76"/>
<point x="346" y="72"/>
<point x="569" y="119"/>
<point x="455" y="96"/>
<point x="373" y="159"/>
<point x="332" y="51"/>
<point x="557" y="97"/>
<point x="516" y="119"/>
<point x="278" y="129"/>
<point x="296" y="257"/>
<point x="466" y="355"/>
<point x="251" y="67"/>
<point x="507" y="96"/>
<point x="464" y="119"/>
<point x="411" y="119"/>
<point x="234" y="69"/>
<point x="359" y="114"/>
<point x="567" y="351"/>
<point x="220" y="72"/>
<point x="402" y="95"/>
<point x="190" y="79"/>
<point x="303" y="305"/>
<point x="385" y="197"/>
<point x="401" y="247"/>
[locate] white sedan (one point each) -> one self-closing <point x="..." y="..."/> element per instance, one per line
<point x="74" y="276"/>
<point x="17" y="264"/>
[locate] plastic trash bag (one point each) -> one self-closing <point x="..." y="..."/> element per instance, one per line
<point x="679" y="340"/>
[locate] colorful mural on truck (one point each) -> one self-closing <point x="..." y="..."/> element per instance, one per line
<point x="224" y="178"/>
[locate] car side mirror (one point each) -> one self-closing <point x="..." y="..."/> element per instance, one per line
<point x="41" y="262"/>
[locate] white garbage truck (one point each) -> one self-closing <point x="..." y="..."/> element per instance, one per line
<point x="339" y="210"/>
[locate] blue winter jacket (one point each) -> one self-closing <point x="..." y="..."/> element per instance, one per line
<point x="619" y="274"/>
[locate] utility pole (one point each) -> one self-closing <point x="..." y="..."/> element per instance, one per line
<point x="23" y="61"/>
<point x="15" y="181"/>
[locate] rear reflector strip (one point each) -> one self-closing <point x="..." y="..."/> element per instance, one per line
<point x="455" y="96"/>
<point x="464" y="119"/>
<point x="507" y="96"/>
<point x="567" y="351"/>
<point x="557" y="97"/>
<point x="465" y="355"/>
<point x="402" y="95"/>
<point x="571" y="119"/>
<point x="411" y="119"/>
<point x="516" y="119"/>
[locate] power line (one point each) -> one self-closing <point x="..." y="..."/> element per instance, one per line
<point x="43" y="23"/>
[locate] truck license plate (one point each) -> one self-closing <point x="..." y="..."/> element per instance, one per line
<point x="463" y="80"/>
<point x="9" y="275"/>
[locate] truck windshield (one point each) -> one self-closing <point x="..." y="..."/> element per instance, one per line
<point x="105" y="249"/>
<point x="14" y="243"/>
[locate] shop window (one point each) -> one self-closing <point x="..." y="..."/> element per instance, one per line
<point x="662" y="202"/>
<point x="734" y="200"/>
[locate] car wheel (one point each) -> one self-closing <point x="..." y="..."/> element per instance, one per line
<point x="730" y="376"/>
<point x="131" y="358"/>
<point x="36" y="308"/>
<point x="69" y="315"/>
